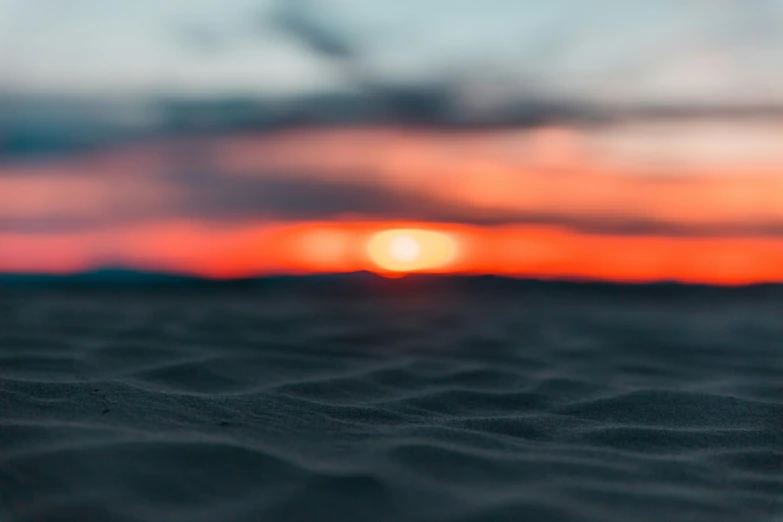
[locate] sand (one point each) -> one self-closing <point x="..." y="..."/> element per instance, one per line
<point x="478" y="402"/>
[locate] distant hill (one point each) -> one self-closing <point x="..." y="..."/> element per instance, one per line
<point x="363" y="283"/>
<point x="103" y="276"/>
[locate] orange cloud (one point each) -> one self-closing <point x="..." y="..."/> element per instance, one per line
<point x="558" y="176"/>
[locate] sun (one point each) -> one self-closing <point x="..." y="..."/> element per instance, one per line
<point x="404" y="249"/>
<point x="410" y="250"/>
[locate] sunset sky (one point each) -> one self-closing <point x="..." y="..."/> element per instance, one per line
<point x="622" y="204"/>
<point x="696" y="199"/>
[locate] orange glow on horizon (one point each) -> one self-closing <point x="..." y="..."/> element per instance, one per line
<point x="327" y="247"/>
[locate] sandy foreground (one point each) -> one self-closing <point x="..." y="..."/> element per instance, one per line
<point x="426" y="404"/>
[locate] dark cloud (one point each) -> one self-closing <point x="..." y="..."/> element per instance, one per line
<point x="429" y="102"/>
<point x="297" y="200"/>
<point x="293" y="16"/>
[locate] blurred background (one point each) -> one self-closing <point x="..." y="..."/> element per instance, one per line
<point x="622" y="140"/>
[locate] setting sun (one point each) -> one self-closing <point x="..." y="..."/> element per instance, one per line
<point x="410" y="250"/>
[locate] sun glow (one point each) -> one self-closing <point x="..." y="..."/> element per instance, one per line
<point x="410" y="250"/>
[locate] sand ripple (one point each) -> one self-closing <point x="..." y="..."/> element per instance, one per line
<point x="422" y="405"/>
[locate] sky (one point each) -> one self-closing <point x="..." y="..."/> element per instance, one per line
<point x="673" y="51"/>
<point x="543" y="202"/>
<point x="637" y="198"/>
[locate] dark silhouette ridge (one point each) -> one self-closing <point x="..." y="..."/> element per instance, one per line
<point x="368" y="283"/>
